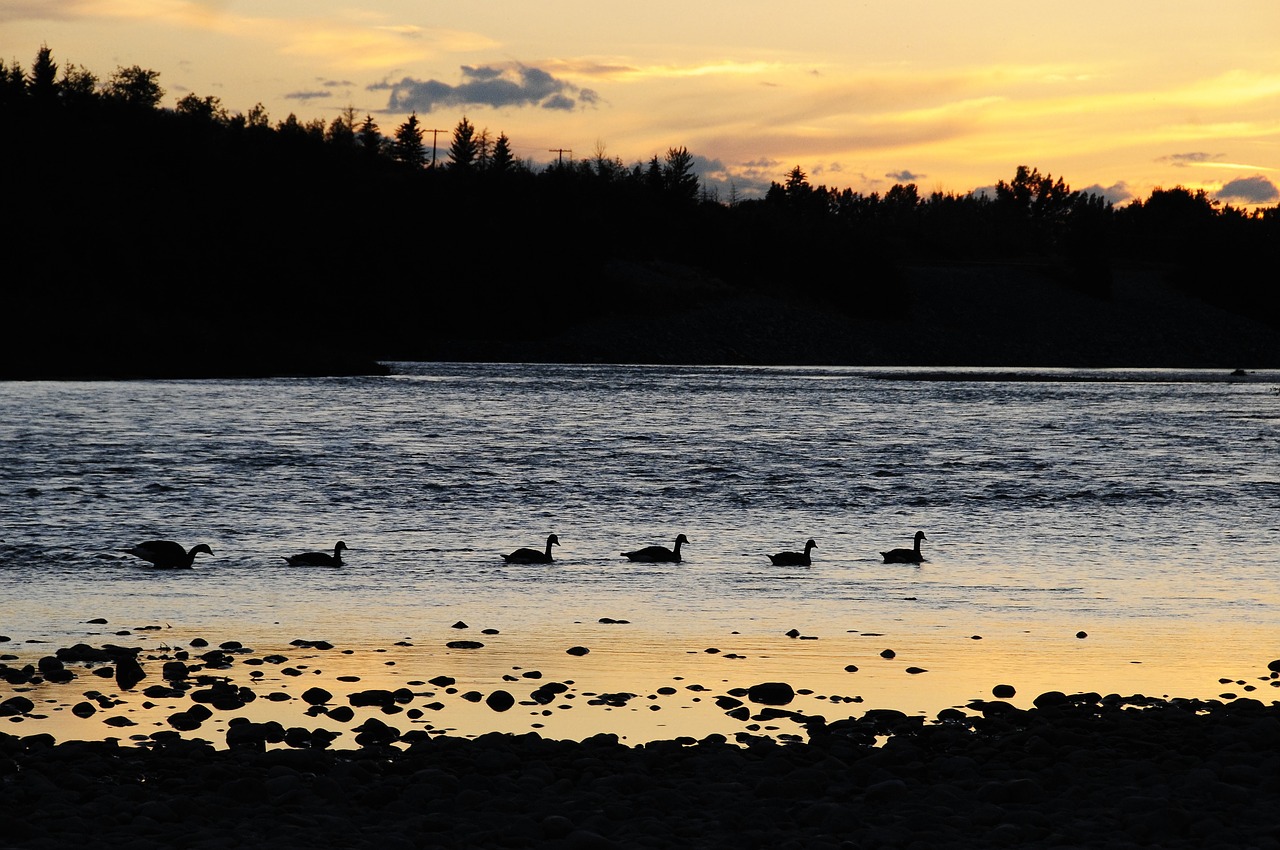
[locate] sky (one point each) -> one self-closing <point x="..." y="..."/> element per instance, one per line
<point x="1118" y="97"/>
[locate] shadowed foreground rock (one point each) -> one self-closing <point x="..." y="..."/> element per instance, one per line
<point x="1080" y="771"/>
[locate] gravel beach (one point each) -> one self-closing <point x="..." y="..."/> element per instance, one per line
<point x="1073" y="770"/>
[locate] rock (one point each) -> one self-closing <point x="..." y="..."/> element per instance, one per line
<point x="375" y="733"/>
<point x="888" y="653"/>
<point x="1003" y="691"/>
<point x="128" y="673"/>
<point x="175" y="671"/>
<point x="771" y="693"/>
<point x="84" y="709"/>
<point x="16" y="705"/>
<point x="500" y="700"/>
<point x="243" y="734"/>
<point x="464" y="644"/>
<point x="374" y="696"/>
<point x="577" y="650"/>
<point x="316" y="696"/>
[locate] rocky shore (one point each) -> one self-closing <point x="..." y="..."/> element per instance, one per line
<point x="1079" y="770"/>
<point x="1075" y="771"/>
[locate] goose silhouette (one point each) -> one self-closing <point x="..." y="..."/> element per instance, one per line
<point x="533" y="556"/>
<point x="318" y="559"/>
<point x="658" y="554"/>
<point x="905" y="556"/>
<point x="794" y="559"/>
<point x="168" y="555"/>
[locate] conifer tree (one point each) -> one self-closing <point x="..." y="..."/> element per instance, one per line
<point x="503" y="161"/>
<point x="462" y="150"/>
<point x="407" y="147"/>
<point x="44" y="75"/>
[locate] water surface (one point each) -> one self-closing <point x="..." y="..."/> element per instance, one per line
<point x="1140" y="508"/>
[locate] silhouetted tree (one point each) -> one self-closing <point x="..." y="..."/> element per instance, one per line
<point x="653" y="176"/>
<point x="44" y="76"/>
<point x="13" y="84"/>
<point x="208" y="108"/>
<point x="407" y="147"/>
<point x="370" y="137"/>
<point x="462" y="150"/>
<point x="78" y="85"/>
<point x="678" y="177"/>
<point x="257" y="117"/>
<point x="135" y="86"/>
<point x="342" y="130"/>
<point x="503" y="161"/>
<point x="484" y="150"/>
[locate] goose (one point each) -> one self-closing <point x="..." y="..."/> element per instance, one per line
<point x="658" y="554"/>
<point x="533" y="556"/>
<point x="168" y="555"/>
<point x="905" y="556"/>
<point x="318" y="559"/>
<point x="794" y="559"/>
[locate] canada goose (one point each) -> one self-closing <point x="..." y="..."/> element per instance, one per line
<point x="658" y="554"/>
<point x="533" y="556"/>
<point x="794" y="559"/>
<point x="318" y="559"/>
<point x="168" y="555"/>
<point x="905" y="556"/>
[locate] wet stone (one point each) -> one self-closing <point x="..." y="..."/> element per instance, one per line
<point x="500" y="701"/>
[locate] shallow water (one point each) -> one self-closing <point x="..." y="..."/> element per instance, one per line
<point x="1141" y="508"/>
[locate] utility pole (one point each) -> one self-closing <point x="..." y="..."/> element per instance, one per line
<point x="562" y="152"/>
<point x="435" y="134"/>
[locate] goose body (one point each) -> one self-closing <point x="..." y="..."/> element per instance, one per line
<point x="658" y="554"/>
<point x="533" y="556"/>
<point x="318" y="559"/>
<point x="905" y="556"/>
<point x="794" y="559"/>
<point x="168" y="555"/>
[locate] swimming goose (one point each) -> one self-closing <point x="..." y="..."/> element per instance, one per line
<point x="318" y="559"/>
<point x="658" y="554"/>
<point x="905" y="556"/>
<point x="533" y="556"/>
<point x="794" y="559"/>
<point x="168" y="555"/>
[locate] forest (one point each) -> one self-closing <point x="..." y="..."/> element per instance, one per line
<point x="155" y="241"/>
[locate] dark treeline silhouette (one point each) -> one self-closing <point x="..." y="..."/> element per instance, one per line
<point x="193" y="240"/>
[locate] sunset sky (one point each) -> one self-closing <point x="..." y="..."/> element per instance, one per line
<point x="1115" y="96"/>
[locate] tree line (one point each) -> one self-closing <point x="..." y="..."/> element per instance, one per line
<point x="145" y="224"/>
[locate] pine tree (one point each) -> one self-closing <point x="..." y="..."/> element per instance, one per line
<point x="370" y="137"/>
<point x="44" y="76"/>
<point x="462" y="150"/>
<point x="407" y="147"/>
<point x="503" y="160"/>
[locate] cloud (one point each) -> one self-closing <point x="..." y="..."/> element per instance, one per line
<point x="497" y="86"/>
<point x="1249" y="190"/>
<point x="307" y="95"/>
<point x="1115" y="193"/>
<point x="905" y="176"/>
<point x="1183" y="160"/>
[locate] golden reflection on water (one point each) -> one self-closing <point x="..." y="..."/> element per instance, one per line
<point x="675" y="679"/>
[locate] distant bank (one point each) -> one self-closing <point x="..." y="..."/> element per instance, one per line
<point x="996" y="314"/>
